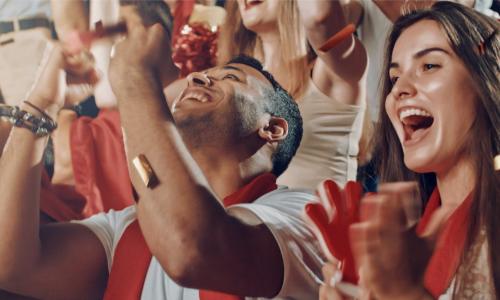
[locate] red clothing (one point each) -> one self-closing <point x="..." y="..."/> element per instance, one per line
<point x="445" y="260"/>
<point x="127" y="275"/>
<point x="60" y="202"/>
<point x="100" y="170"/>
<point x="99" y="163"/>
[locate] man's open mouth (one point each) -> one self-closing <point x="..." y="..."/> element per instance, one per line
<point x="196" y="96"/>
<point x="416" y="122"/>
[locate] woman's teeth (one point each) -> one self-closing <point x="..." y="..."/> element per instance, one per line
<point x="413" y="112"/>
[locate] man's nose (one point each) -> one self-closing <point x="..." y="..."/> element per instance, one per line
<point x="197" y="78"/>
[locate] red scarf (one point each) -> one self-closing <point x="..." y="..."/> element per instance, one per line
<point x="132" y="256"/>
<point x="450" y="244"/>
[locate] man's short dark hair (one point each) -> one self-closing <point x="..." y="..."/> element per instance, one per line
<point x="279" y="104"/>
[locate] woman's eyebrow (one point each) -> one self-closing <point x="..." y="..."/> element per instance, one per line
<point x="420" y="54"/>
<point x="426" y="51"/>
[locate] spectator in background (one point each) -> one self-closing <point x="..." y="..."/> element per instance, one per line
<point x="25" y="29"/>
<point x="329" y="87"/>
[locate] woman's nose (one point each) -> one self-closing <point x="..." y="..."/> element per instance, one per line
<point x="403" y="88"/>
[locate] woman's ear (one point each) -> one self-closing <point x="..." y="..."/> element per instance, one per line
<point x="275" y="130"/>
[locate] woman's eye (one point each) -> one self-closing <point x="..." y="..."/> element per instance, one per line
<point x="230" y="76"/>
<point x="430" y="66"/>
<point x="394" y="79"/>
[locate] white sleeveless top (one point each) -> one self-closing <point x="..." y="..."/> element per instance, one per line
<point x="330" y="142"/>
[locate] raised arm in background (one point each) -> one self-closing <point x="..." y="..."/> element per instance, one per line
<point x="61" y="261"/>
<point x="339" y="73"/>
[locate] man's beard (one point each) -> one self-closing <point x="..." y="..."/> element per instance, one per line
<point x="211" y="129"/>
<point x="201" y="131"/>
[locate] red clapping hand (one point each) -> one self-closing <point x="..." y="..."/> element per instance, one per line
<point x="331" y="219"/>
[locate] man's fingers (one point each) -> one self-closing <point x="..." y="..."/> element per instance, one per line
<point x="132" y="18"/>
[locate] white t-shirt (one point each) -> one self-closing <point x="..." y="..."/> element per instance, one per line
<point x="280" y="210"/>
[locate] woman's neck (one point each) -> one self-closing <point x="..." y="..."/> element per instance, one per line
<point x="456" y="183"/>
<point x="271" y="47"/>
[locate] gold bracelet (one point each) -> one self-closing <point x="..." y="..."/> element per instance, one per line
<point x="145" y="171"/>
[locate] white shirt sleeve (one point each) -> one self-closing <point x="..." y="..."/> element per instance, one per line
<point x="282" y="212"/>
<point x="109" y="227"/>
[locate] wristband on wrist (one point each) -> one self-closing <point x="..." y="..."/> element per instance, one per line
<point x="40" y="125"/>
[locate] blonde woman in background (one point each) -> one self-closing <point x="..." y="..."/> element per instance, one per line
<point x="329" y="87"/>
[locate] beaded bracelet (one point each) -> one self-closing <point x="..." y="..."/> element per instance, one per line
<point x="40" y="126"/>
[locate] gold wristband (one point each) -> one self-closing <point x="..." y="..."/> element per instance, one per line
<point x="145" y="171"/>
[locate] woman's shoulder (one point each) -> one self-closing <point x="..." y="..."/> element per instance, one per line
<point x="475" y="272"/>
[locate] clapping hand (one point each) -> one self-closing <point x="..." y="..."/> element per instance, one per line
<point x="330" y="220"/>
<point x="390" y="256"/>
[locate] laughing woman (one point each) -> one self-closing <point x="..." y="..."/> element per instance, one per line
<point x="439" y="126"/>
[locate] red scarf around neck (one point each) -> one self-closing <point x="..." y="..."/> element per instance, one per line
<point x="132" y="256"/>
<point x="450" y="244"/>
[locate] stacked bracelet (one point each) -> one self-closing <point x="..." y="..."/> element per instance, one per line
<point x="40" y="126"/>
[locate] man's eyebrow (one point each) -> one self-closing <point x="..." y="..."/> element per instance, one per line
<point x="229" y="67"/>
<point x="420" y="54"/>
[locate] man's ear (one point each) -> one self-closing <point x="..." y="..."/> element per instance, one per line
<point x="275" y="130"/>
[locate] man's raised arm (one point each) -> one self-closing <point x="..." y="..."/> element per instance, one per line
<point x="197" y="243"/>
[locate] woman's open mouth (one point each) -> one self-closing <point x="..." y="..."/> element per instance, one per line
<point x="252" y="3"/>
<point x="416" y="123"/>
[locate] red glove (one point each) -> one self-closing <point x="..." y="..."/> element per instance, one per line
<point x="330" y="221"/>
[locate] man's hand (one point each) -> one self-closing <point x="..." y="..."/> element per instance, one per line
<point x="391" y="257"/>
<point x="145" y="51"/>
